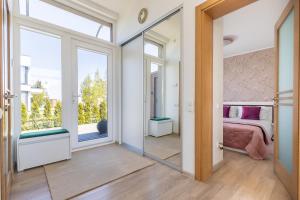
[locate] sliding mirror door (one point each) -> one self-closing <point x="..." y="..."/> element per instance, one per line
<point x="162" y="91"/>
<point x="133" y="94"/>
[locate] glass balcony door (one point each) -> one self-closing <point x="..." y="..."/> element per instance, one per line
<point x="91" y="95"/>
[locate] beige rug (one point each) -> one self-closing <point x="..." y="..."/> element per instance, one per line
<point x="91" y="168"/>
<point x="163" y="147"/>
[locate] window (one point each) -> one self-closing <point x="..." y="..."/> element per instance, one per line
<point x="153" y="49"/>
<point x="25" y="63"/>
<point x="55" y="15"/>
<point x="154" y="67"/>
<point x="92" y="95"/>
<point x="24" y="75"/>
<point x="41" y="91"/>
<point x="24" y="98"/>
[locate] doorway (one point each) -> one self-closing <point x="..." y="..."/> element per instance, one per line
<point x="205" y="14"/>
<point x="91" y="95"/>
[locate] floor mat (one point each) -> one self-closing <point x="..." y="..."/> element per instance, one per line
<point x="92" y="168"/>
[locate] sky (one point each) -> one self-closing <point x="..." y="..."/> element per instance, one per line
<point x="45" y="54"/>
<point x="52" y="14"/>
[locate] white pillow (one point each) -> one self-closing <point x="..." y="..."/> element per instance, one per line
<point x="240" y="112"/>
<point x="233" y="112"/>
<point x="265" y="113"/>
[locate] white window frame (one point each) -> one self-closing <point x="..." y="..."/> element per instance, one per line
<point x="160" y="61"/>
<point x="66" y="36"/>
<point x="161" y="48"/>
<point x="71" y="8"/>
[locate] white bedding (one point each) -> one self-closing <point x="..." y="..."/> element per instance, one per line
<point x="266" y="124"/>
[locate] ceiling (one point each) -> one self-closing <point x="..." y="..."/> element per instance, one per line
<point x="114" y="5"/>
<point x="253" y="26"/>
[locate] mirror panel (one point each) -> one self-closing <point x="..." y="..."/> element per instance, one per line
<point x="162" y="137"/>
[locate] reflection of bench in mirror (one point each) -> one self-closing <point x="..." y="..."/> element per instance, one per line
<point x="160" y="126"/>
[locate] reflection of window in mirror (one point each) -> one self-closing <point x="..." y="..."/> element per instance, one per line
<point x="153" y="49"/>
<point x="154" y="67"/>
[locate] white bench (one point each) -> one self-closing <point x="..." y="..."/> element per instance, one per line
<point x="159" y="128"/>
<point x="42" y="150"/>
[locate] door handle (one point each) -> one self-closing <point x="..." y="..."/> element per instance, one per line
<point x="6" y="107"/>
<point x="220" y="146"/>
<point x="275" y="100"/>
<point x="7" y="95"/>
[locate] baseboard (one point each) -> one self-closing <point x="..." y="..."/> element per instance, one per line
<point x="188" y="174"/>
<point x="235" y="150"/>
<point x="132" y="148"/>
<point x="218" y="165"/>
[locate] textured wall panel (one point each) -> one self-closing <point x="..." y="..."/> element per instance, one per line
<point x="250" y="77"/>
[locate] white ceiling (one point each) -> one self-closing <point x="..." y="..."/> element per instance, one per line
<point x="114" y="5"/>
<point x="253" y="25"/>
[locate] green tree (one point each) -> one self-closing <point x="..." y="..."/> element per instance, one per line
<point x="93" y="91"/>
<point x="99" y="89"/>
<point x="37" y="101"/>
<point x="24" y="116"/>
<point x="103" y="110"/>
<point x="47" y="109"/>
<point x="47" y="113"/>
<point x="96" y="112"/>
<point x="57" y="114"/>
<point x="87" y="113"/>
<point x="87" y="90"/>
<point x="81" y="118"/>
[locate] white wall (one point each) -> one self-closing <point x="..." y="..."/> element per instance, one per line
<point x="128" y="26"/>
<point x="172" y="86"/>
<point x="217" y="90"/>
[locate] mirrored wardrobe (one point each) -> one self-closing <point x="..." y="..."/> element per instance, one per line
<point x="162" y="72"/>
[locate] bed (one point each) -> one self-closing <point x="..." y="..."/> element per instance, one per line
<point x="251" y="136"/>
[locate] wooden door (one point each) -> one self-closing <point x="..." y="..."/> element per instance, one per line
<point x="5" y="102"/>
<point x="287" y="98"/>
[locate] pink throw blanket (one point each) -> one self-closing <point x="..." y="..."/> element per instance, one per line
<point x="251" y="138"/>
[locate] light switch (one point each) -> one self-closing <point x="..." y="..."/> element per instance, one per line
<point x="190" y="107"/>
<point x="1" y="113"/>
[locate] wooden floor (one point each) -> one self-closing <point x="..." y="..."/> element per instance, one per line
<point x="239" y="178"/>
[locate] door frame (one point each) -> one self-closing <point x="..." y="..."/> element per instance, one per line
<point x="78" y="44"/>
<point x="205" y="14"/>
<point x="5" y="73"/>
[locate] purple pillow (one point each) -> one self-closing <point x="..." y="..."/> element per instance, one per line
<point x="226" y="110"/>
<point x="251" y="112"/>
